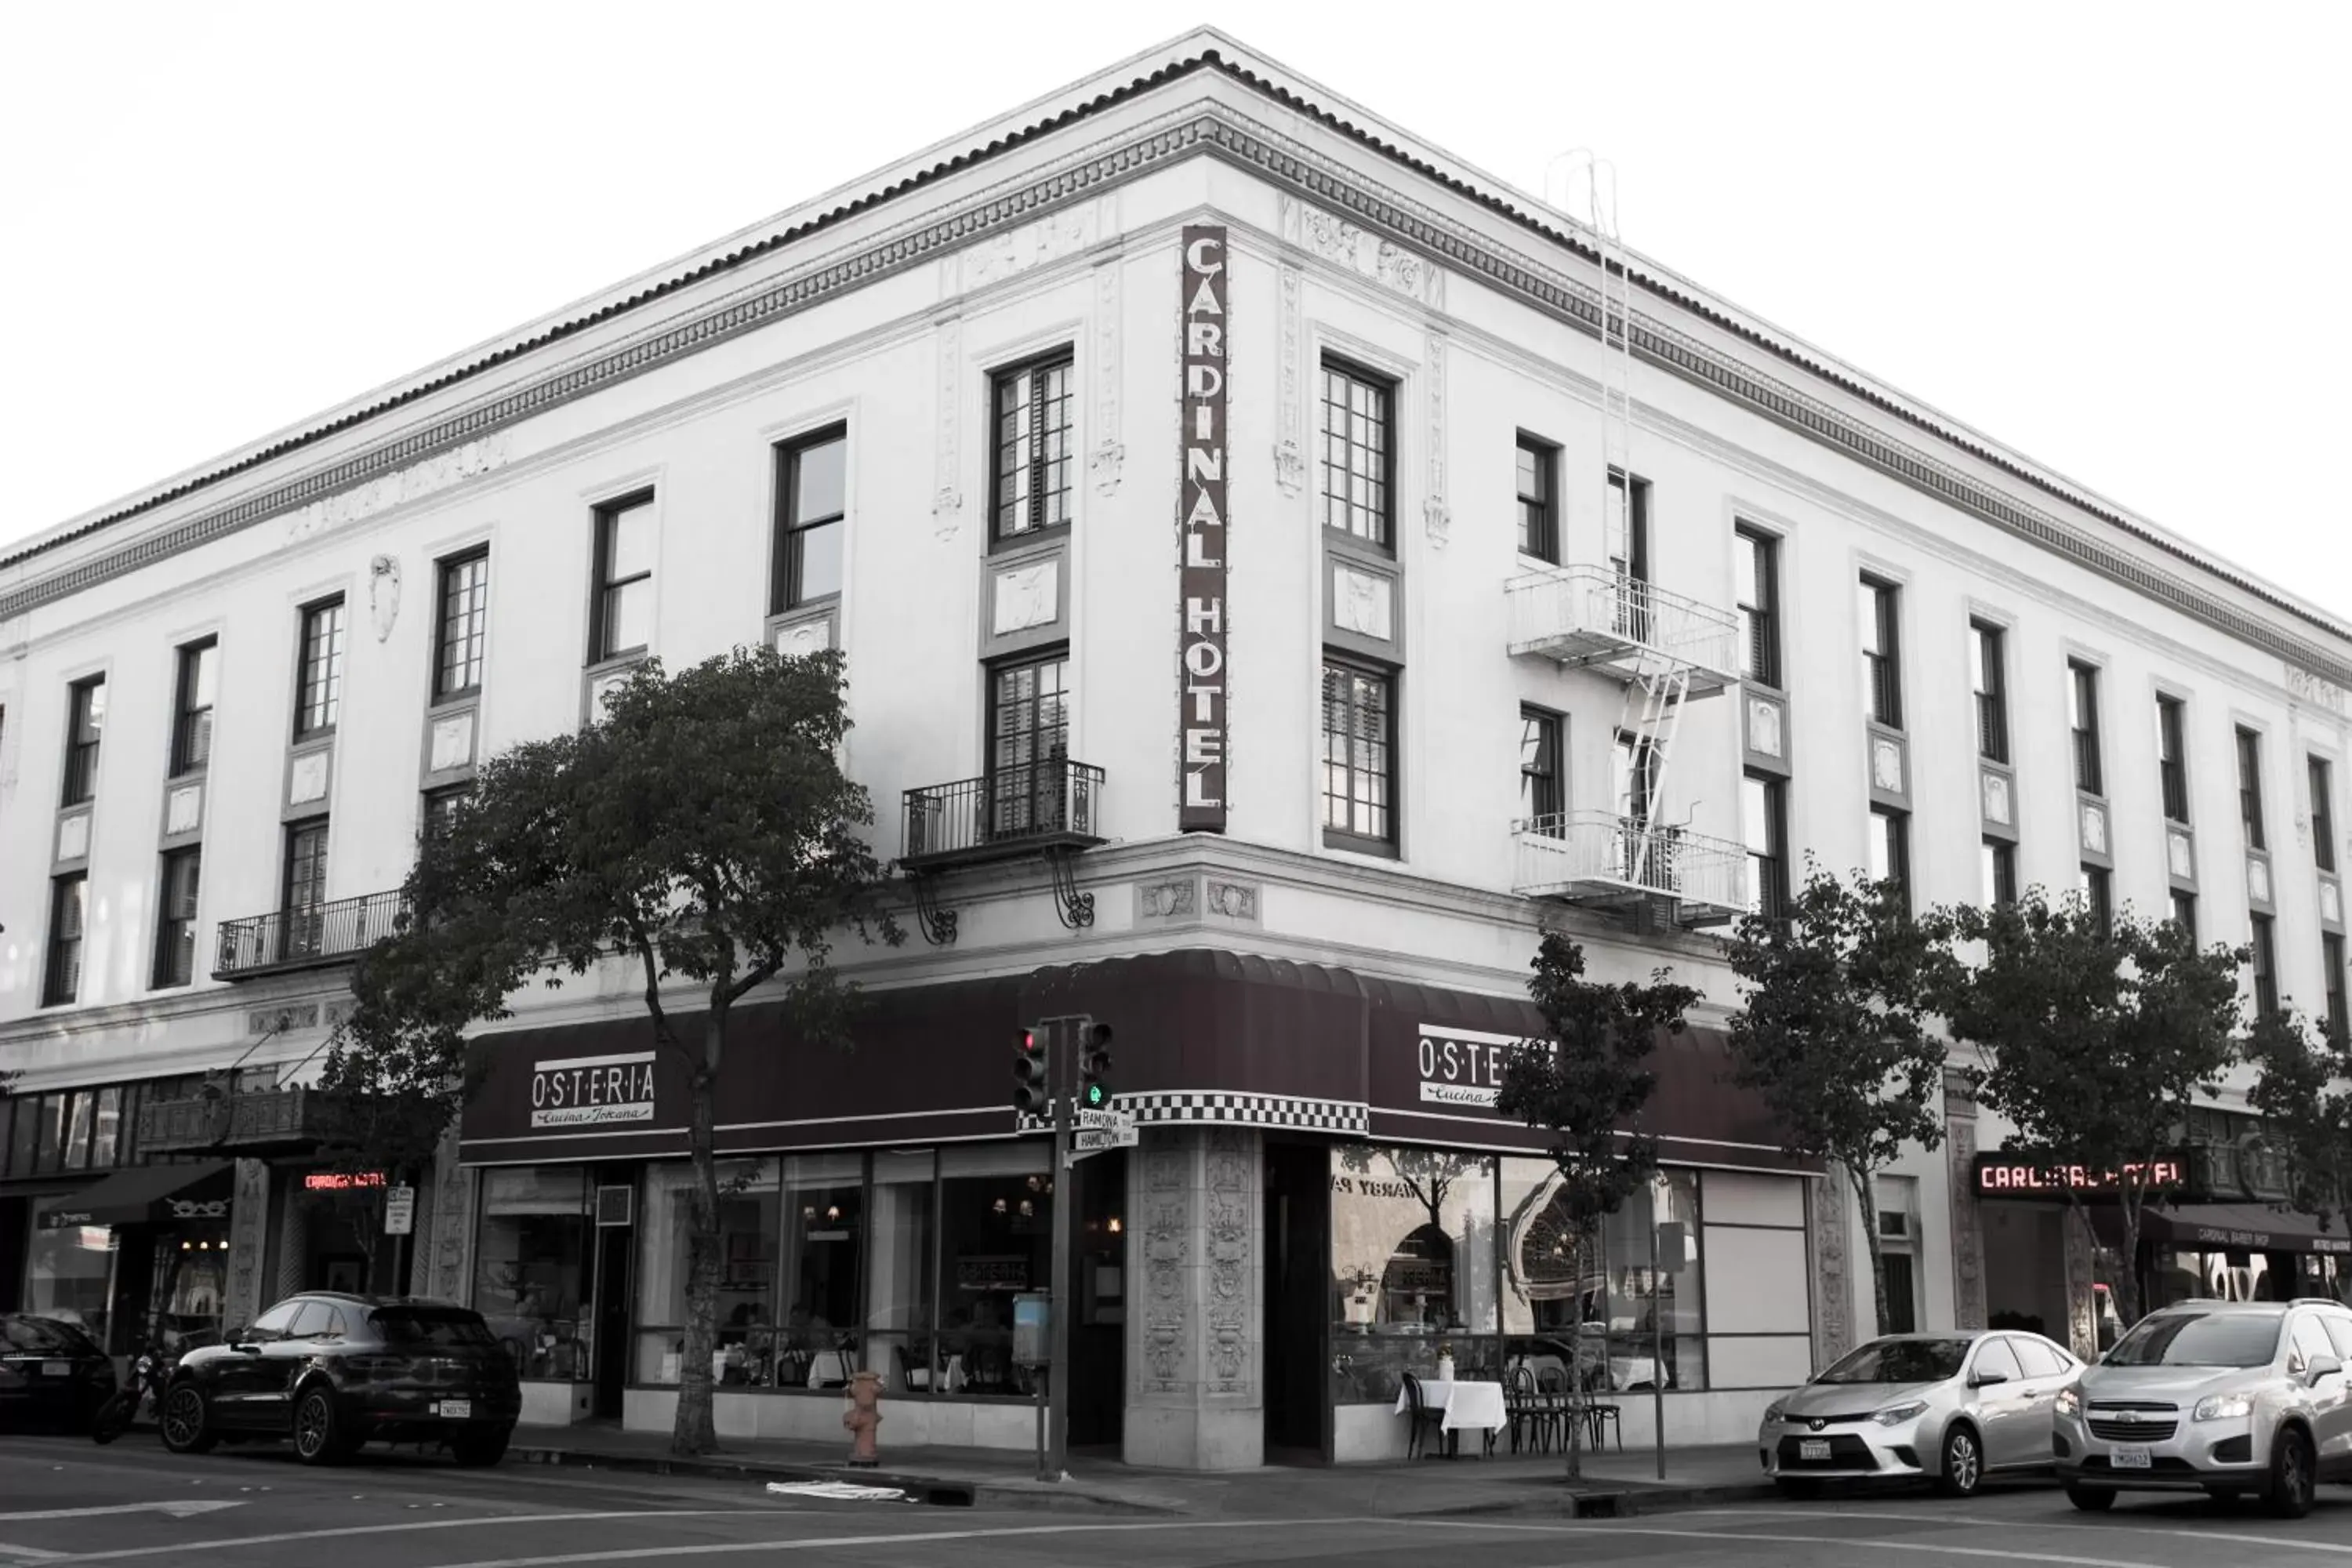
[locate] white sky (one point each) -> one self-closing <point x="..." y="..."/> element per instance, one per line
<point x="2110" y="236"/>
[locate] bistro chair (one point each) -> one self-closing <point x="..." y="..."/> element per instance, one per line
<point x="1422" y="1415"/>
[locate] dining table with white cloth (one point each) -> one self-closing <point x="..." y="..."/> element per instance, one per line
<point x="1459" y="1406"/>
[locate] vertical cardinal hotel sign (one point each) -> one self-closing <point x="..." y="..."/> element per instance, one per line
<point x="1201" y="534"/>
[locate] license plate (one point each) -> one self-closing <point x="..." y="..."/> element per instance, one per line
<point x="1813" y="1448"/>
<point x="57" y="1369"/>
<point x="2130" y="1456"/>
<point x="456" y="1410"/>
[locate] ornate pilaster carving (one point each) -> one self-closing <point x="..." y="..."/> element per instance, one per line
<point x="1104" y="461"/>
<point x="2082" y="1327"/>
<point x="1230" y="1194"/>
<point x="453" y="1212"/>
<point x="1438" y="520"/>
<point x="1832" y="1269"/>
<point x="248" y="1233"/>
<point x="1291" y="411"/>
<point x="947" y="494"/>
<point x="1167" y="1263"/>
<point x="1968" y="1234"/>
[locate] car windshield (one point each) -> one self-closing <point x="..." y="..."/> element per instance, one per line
<point x="431" y="1326"/>
<point x="42" y="1336"/>
<point x="1900" y="1360"/>
<point x="2198" y="1339"/>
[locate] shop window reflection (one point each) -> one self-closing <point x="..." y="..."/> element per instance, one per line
<point x="1413" y="1250"/>
<point x="528" y="1268"/>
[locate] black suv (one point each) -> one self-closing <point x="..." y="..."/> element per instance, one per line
<point x="331" y="1371"/>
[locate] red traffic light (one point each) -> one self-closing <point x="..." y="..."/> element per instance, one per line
<point x="1030" y="1092"/>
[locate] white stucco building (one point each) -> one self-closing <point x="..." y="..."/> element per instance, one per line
<point x="1210" y="485"/>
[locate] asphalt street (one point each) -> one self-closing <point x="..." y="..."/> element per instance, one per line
<point x="63" y="1501"/>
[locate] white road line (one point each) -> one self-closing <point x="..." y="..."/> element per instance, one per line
<point x="179" y="1509"/>
<point x="190" y="1547"/>
<point x="26" y="1554"/>
<point x="2107" y="1524"/>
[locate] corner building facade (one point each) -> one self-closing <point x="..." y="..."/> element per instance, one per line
<point x="1264" y="616"/>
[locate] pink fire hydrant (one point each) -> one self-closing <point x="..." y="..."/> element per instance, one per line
<point x="863" y="1415"/>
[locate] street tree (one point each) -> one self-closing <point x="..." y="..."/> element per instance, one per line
<point x="700" y="834"/>
<point x="2302" y="1087"/>
<point x="2093" y="1037"/>
<point x="1833" y="1035"/>
<point x="1584" y="1088"/>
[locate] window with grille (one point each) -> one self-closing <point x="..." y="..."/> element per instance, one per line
<point x="175" y="921"/>
<point x="465" y="623"/>
<point x="1755" y="563"/>
<point x="2097" y="886"/>
<point x="1987" y="675"/>
<point x="68" y="908"/>
<point x="1882" y="666"/>
<point x="622" y="617"/>
<point x="1035" y="428"/>
<point x="2250" y="787"/>
<point x="2331" y="964"/>
<point x="2266" y="991"/>
<point x="1543" y="786"/>
<point x="192" y="721"/>
<point x="2323" y="813"/>
<point x="811" y="503"/>
<point x="1028" y="746"/>
<point x="85" y="727"/>
<point x="319" y="683"/>
<point x="2184" y="912"/>
<point x="302" y="911"/>
<point x="1763" y="817"/>
<point x="1890" y="849"/>
<point x="1538" y="500"/>
<point x="1358" y="453"/>
<point x="1998" y="882"/>
<point x="2172" y="758"/>
<point x="2083" y="715"/>
<point x="1359" y="753"/>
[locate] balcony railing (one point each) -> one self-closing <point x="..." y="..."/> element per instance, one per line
<point x="1013" y="811"/>
<point x="304" y="937"/>
<point x="1598" y="856"/>
<point x="1599" y="616"/>
<point x="273" y="1118"/>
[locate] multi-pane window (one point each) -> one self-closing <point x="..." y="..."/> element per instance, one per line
<point x="1358" y="453"/>
<point x="1633" y="776"/>
<point x="1890" y="849"/>
<point x="2250" y="787"/>
<point x="1989" y="676"/>
<point x="2266" y="991"/>
<point x="1358" y="752"/>
<point x="1756" y="566"/>
<point x="440" y="808"/>
<point x="1764" y="823"/>
<point x="2083" y="717"/>
<point x="1882" y="654"/>
<point x="1028" y="745"/>
<point x="192" y="719"/>
<point x="1999" y="873"/>
<point x="2184" y="912"/>
<point x="1035" y="414"/>
<point x="2323" y="813"/>
<point x="319" y="679"/>
<point x="1538" y="500"/>
<point x="812" y="500"/>
<point x="2172" y="757"/>
<point x="85" y="726"/>
<point x="1629" y="526"/>
<point x="175" y="919"/>
<point x="302" y="911"/>
<point x="621" y="618"/>
<point x="1543" y="786"/>
<point x="2099" y="897"/>
<point x="2331" y="964"/>
<point x="69" y="909"/>
<point x="465" y="623"/>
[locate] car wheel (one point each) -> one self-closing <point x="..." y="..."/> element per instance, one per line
<point x="318" y="1429"/>
<point x="2293" y="1480"/>
<point x="187" y="1421"/>
<point x="1798" y="1490"/>
<point x="482" y="1447"/>
<point x="1963" y="1469"/>
<point x="2091" y="1499"/>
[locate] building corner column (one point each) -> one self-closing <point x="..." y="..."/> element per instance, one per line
<point x="1828" y="1201"/>
<point x="1195" y="1384"/>
<point x="439" y="1266"/>
<point x="1967" y="1234"/>
<point x="248" y="1244"/>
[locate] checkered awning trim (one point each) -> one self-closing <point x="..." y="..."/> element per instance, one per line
<point x="1238" y="1109"/>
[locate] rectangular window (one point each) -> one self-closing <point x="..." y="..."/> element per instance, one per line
<point x="1764" y="823"/>
<point x="69" y="909"/>
<point x="319" y="675"/>
<point x="85" y="726"/>
<point x="1359" y="455"/>
<point x="1543" y="786"/>
<point x="192" y="721"/>
<point x="812" y="502"/>
<point x="175" y="921"/>
<point x="2184" y="912"/>
<point x="1028" y="746"/>
<point x="1890" y="848"/>
<point x="301" y="912"/>
<point x="2000" y="880"/>
<point x="1634" y="777"/>
<point x="2323" y="813"/>
<point x="622" y="621"/>
<point x="440" y="806"/>
<point x="2250" y="787"/>
<point x="1756" y="566"/>
<point x="2331" y="965"/>
<point x="2266" y="992"/>
<point x="2099" y="897"/>
<point x="1882" y="654"/>
<point x="1990" y="680"/>
<point x="1538" y="500"/>
<point x="465" y="621"/>
<point x="1358" y="752"/>
<point x="2083" y="715"/>
<point x="2172" y="758"/>
<point x="1629" y="527"/>
<point x="1036" y="419"/>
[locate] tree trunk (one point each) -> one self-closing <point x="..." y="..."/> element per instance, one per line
<point x="1863" y="1194"/>
<point x="1574" y="1446"/>
<point x="2127" y="1282"/>
<point x="694" y="1432"/>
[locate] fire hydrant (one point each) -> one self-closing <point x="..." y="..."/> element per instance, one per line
<point x="863" y="1415"/>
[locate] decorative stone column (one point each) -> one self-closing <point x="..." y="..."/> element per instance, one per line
<point x="1195" y="1390"/>
<point x="248" y="1246"/>
<point x="2082" y="1324"/>
<point x="443" y="1266"/>
<point x="1826" y="1202"/>
<point x="1967" y="1236"/>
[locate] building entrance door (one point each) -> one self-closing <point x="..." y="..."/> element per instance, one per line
<point x="612" y="1349"/>
<point x="1098" y="1334"/>
<point x="1298" y="1302"/>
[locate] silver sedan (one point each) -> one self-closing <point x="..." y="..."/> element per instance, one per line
<point x="1951" y="1408"/>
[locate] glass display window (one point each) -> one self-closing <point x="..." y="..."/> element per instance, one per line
<point x="530" y="1258"/>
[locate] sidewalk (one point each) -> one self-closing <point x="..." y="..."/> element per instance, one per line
<point x="993" y="1477"/>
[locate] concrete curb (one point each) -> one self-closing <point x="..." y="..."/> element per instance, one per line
<point x="1607" y="1500"/>
<point x="932" y="1489"/>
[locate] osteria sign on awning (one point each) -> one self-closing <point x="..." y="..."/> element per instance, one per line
<point x="1200" y="677"/>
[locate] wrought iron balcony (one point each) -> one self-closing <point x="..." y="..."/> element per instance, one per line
<point x="280" y="1118"/>
<point x="1600" y="619"/>
<point x="1013" y="811"/>
<point x="1598" y="856"/>
<point x="305" y="937"/>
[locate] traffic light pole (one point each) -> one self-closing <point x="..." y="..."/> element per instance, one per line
<point x="1067" y="1038"/>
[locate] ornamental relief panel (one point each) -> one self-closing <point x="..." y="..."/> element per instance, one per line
<point x="1385" y="262"/>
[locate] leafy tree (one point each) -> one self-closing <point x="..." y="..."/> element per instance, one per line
<point x="2094" y="1037"/>
<point x="699" y="830"/>
<point x="2303" y="1089"/>
<point x="1585" y="1088"/>
<point x="388" y="1100"/>
<point x="1833" y="1035"/>
<point x="1430" y="1172"/>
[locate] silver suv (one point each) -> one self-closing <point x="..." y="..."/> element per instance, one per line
<point x="2230" y="1397"/>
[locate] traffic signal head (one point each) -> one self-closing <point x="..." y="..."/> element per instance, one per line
<point x="1030" y="1093"/>
<point x="1094" y="1067"/>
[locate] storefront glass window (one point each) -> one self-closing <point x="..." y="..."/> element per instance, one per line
<point x="106" y="1129"/>
<point x="25" y="1140"/>
<point x="1412" y="1266"/>
<point x="69" y="1269"/>
<point x="997" y="1239"/>
<point x="749" y="1209"/>
<point x="823" y="1213"/>
<point x="53" y="1126"/>
<point x="528" y="1261"/>
<point x="77" y="1135"/>
<point x="899" y="1290"/>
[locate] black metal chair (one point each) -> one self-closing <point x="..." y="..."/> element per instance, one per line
<point x="1422" y="1416"/>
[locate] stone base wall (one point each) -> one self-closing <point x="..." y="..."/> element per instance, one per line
<point x="1196" y="1388"/>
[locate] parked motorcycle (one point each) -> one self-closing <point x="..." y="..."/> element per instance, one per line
<point x="149" y="1373"/>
